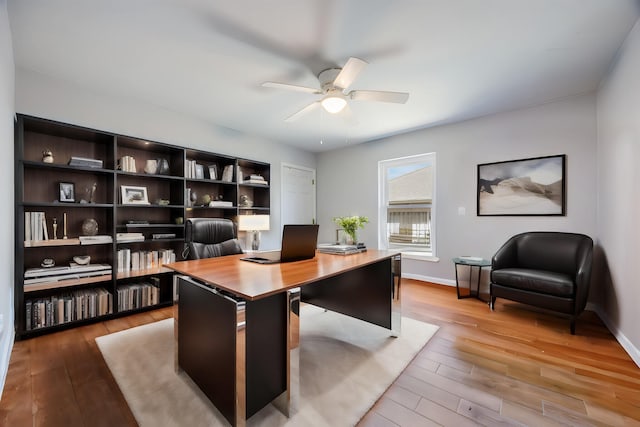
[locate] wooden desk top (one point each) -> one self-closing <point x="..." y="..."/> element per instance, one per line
<point x="253" y="281"/>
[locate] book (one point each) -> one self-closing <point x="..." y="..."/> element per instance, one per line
<point x="330" y="248"/>
<point x="95" y="240"/>
<point x="129" y="237"/>
<point x="70" y="276"/>
<point x="55" y="271"/>
<point x="220" y="204"/>
<point x="85" y="162"/>
<point x="163" y="235"/>
<point x="255" y="181"/>
<point x="213" y="172"/>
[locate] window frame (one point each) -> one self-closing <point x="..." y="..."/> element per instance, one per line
<point x="383" y="194"/>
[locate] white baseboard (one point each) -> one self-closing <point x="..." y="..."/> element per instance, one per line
<point x="6" y="346"/>
<point x="631" y="349"/>
<point x="437" y="280"/>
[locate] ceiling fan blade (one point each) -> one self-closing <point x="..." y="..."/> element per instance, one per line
<point x="378" y="95"/>
<point x="349" y="72"/>
<point x="300" y="113"/>
<point x="287" y="86"/>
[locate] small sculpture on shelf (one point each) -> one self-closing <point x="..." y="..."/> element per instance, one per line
<point x="89" y="227"/>
<point x="245" y="201"/>
<point x="47" y="156"/>
<point x="47" y="263"/>
<point x="90" y="194"/>
<point x="55" y="228"/>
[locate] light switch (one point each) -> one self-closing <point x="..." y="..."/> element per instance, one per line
<point x="462" y="211"/>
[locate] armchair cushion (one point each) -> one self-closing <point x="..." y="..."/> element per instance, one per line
<point x="547" y="282"/>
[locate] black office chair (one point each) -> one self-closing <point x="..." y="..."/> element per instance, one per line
<point x="210" y="237"/>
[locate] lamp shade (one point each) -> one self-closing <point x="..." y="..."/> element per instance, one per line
<point x="334" y="101"/>
<point x="253" y="222"/>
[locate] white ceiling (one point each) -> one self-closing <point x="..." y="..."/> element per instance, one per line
<point x="457" y="58"/>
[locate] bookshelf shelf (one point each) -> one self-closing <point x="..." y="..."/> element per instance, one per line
<point x="175" y="175"/>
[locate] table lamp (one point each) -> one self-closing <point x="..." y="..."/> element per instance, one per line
<point x="253" y="225"/>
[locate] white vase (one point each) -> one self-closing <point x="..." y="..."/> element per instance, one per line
<point x="151" y="166"/>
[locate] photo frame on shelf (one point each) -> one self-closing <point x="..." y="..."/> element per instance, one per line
<point x="67" y="192"/>
<point x="199" y="171"/>
<point x="213" y="172"/>
<point x="524" y="187"/>
<point x="132" y="195"/>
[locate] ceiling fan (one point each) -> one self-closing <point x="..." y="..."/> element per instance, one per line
<point x="334" y="83"/>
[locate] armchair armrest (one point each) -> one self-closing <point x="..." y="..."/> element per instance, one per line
<point x="506" y="256"/>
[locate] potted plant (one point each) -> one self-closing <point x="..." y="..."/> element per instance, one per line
<point x="350" y="225"/>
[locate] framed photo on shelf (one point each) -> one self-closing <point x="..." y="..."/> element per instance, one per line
<point x="525" y="187"/>
<point x="213" y="172"/>
<point x="199" y="171"/>
<point x="67" y="192"/>
<point x="134" y="195"/>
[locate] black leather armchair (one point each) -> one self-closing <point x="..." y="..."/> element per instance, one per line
<point x="210" y="237"/>
<point x="550" y="270"/>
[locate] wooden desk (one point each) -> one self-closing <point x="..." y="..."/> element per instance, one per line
<point x="237" y="322"/>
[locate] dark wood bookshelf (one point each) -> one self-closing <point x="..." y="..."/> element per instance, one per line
<point x="37" y="190"/>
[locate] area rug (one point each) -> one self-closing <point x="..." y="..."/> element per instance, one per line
<point x="345" y="365"/>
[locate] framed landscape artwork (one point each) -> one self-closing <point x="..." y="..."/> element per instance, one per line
<point x="533" y="186"/>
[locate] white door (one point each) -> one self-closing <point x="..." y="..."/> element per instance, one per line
<point x="298" y="195"/>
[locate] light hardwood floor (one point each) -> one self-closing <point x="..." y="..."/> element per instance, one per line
<point x="513" y="366"/>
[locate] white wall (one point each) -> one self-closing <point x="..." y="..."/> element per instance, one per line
<point x="41" y="96"/>
<point x="6" y="209"/>
<point x="347" y="178"/>
<point x="618" y="290"/>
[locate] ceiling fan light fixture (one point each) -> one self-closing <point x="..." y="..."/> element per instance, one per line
<point x="333" y="103"/>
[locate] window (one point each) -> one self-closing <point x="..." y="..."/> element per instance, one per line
<point x="406" y="203"/>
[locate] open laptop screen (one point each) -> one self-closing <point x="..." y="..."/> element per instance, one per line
<point x="299" y="242"/>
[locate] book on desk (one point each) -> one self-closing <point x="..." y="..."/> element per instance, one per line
<point x="337" y="249"/>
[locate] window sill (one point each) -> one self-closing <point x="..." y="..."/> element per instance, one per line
<point x="420" y="256"/>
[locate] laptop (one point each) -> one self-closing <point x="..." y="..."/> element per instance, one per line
<point x="299" y="242"/>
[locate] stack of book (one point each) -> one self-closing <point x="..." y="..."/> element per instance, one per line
<point x="143" y="260"/>
<point x="127" y="164"/>
<point x="55" y="274"/>
<point x="35" y="226"/>
<point x="331" y="248"/>
<point x="255" y="179"/>
<point x="138" y="295"/>
<point x="220" y="204"/>
<point x="85" y="162"/>
<point x="95" y="240"/>
<point x="129" y="237"/>
<point x="76" y="305"/>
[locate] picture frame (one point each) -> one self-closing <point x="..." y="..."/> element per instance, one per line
<point x="524" y="187"/>
<point x="132" y="195"/>
<point x="199" y="171"/>
<point x="213" y="172"/>
<point x="67" y="192"/>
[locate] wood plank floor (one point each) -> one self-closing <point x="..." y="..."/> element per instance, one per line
<point x="515" y="366"/>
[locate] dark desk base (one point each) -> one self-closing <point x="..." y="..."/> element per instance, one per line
<point x="241" y="353"/>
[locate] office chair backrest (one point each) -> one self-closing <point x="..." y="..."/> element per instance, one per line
<point x="210" y="237"/>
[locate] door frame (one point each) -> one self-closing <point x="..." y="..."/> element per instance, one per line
<point x="282" y="186"/>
